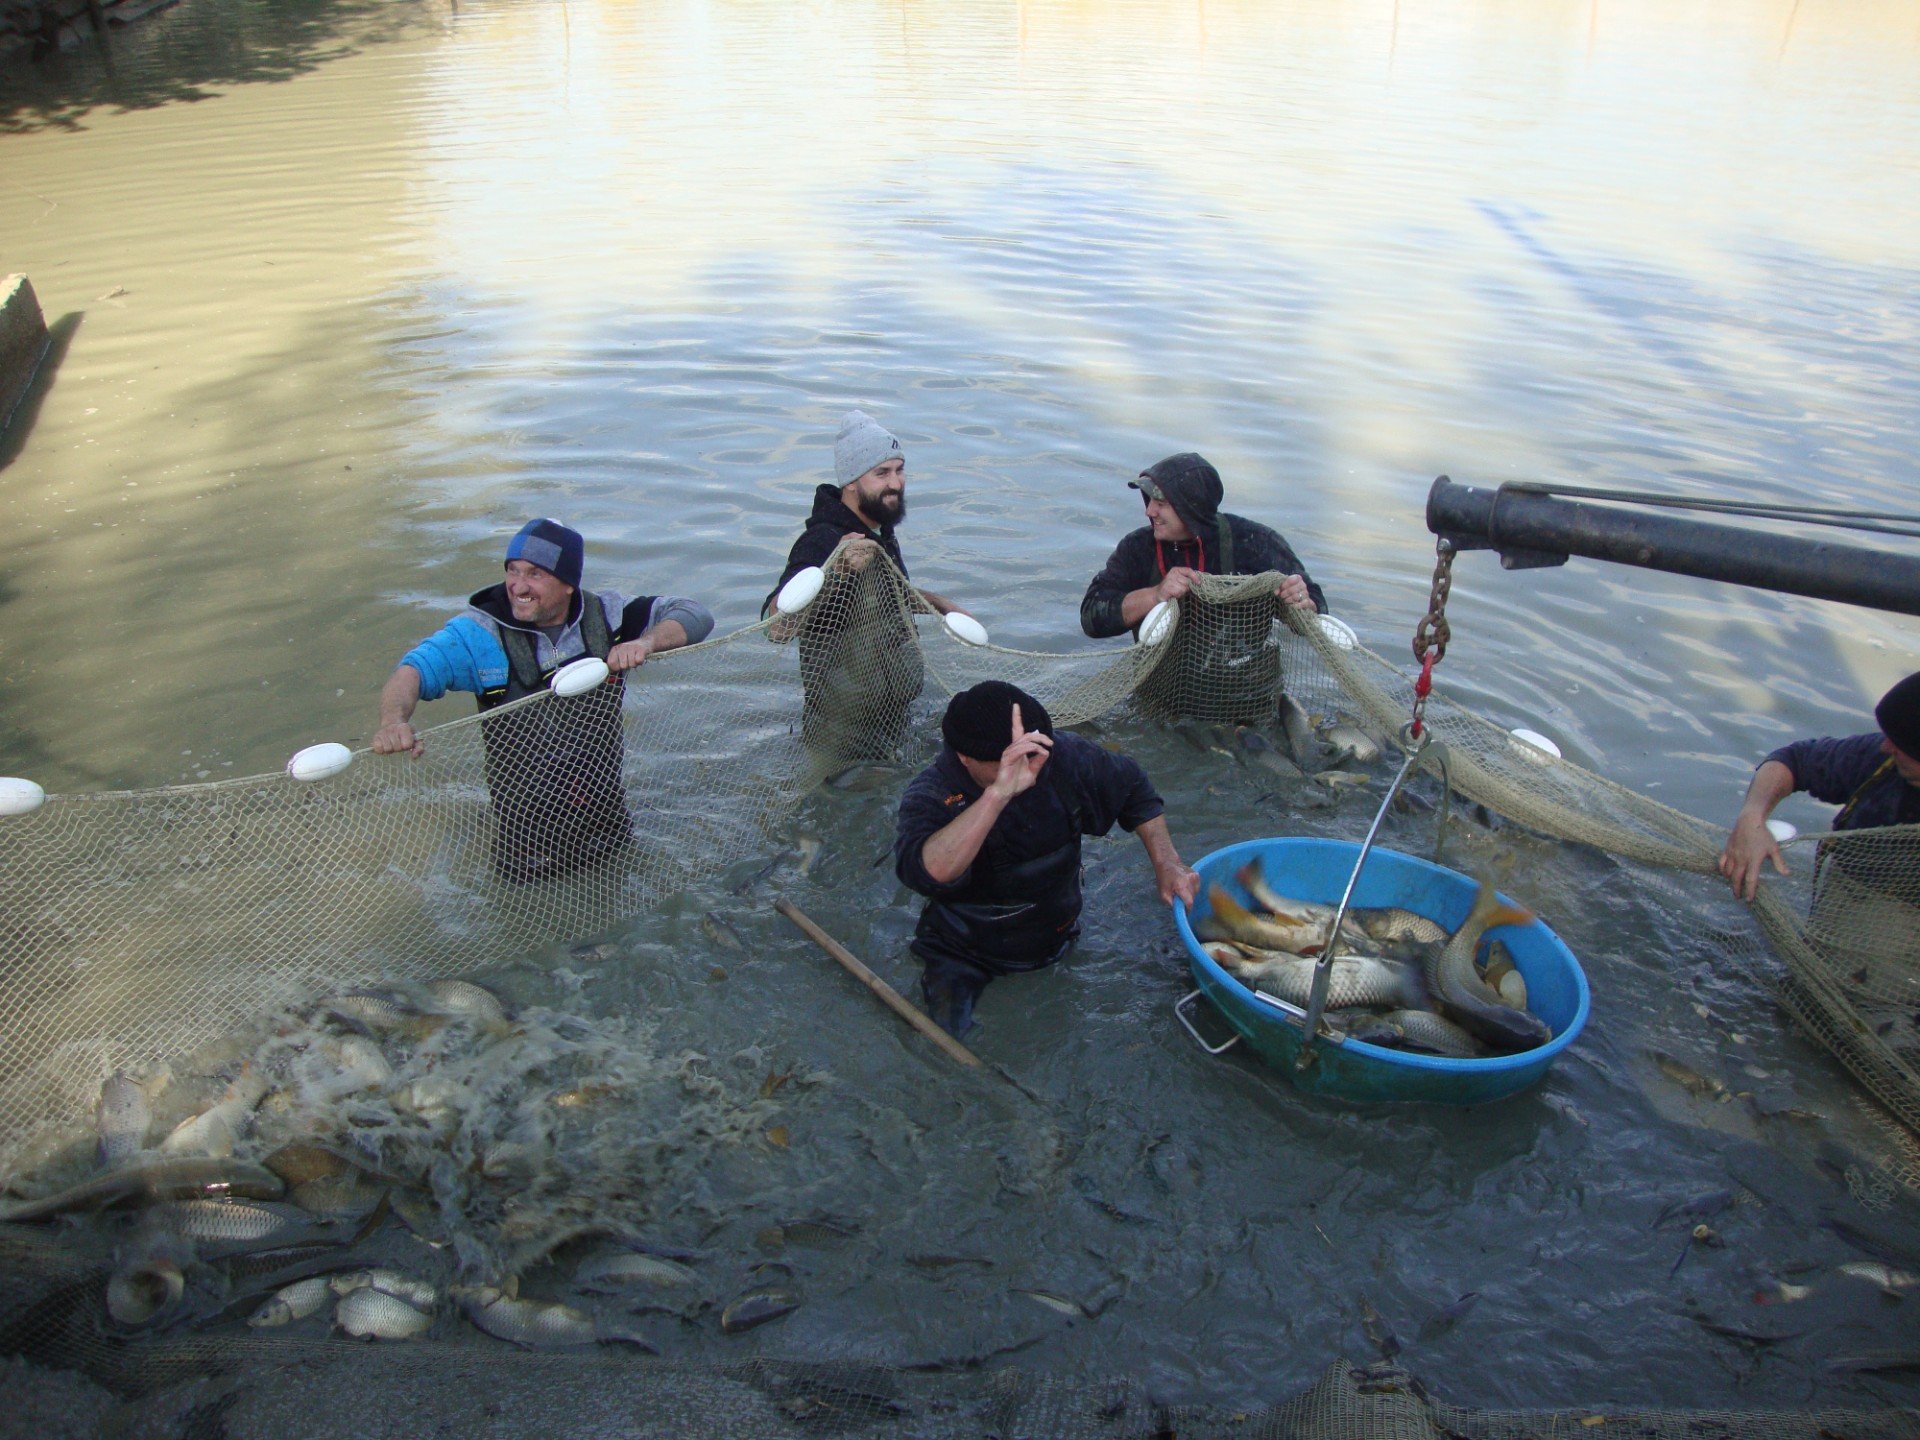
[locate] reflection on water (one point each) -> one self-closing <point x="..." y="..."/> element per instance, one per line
<point x="364" y="286"/>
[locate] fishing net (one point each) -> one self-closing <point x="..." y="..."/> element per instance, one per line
<point x="138" y="928"/>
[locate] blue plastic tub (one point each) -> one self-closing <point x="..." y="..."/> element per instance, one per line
<point x="1318" y="870"/>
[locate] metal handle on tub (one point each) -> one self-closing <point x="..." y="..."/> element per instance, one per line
<point x="1180" y="1014"/>
<point x="1323" y="971"/>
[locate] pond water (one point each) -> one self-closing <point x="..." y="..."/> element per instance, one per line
<point x="348" y="290"/>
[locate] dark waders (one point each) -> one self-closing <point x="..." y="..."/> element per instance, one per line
<point x="554" y="770"/>
<point x="1017" y="918"/>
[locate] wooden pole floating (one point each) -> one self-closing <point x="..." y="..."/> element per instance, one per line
<point x="889" y="996"/>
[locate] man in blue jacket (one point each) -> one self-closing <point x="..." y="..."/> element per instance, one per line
<point x="553" y="771"/>
<point x="990" y="834"/>
<point x="1874" y="777"/>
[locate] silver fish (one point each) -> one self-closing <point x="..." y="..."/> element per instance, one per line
<point x="470" y="1002"/>
<point x="1298" y="727"/>
<point x="374" y="1314"/>
<point x="1348" y="742"/>
<point x="174" y="1178"/>
<point x="613" y="1272"/>
<point x="294" y="1302"/>
<point x="531" y="1324"/>
<point x="1356" y="980"/>
<point x="417" y="1293"/>
<point x="1890" y="1280"/>
<point x="1342" y="779"/>
<point x="145" y="1291"/>
<point x="1261" y="751"/>
<point x="230" y="1220"/>
<point x="1059" y="1304"/>
<point x="757" y="1309"/>
<point x="379" y="1012"/>
<point x="1463" y="997"/>
<point x="360" y="1064"/>
<point x="1389" y="924"/>
<point x="123" y="1116"/>
<point x="214" y="1130"/>
<point x="1424" y="1030"/>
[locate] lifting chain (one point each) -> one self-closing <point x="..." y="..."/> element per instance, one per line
<point x="1431" y="635"/>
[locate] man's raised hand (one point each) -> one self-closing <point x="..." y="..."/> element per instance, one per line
<point x="1021" y="761"/>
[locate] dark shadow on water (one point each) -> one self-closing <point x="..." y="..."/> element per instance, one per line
<point x="13" y="435"/>
<point x="193" y="51"/>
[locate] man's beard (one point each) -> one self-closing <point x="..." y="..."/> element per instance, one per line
<point x="890" y="509"/>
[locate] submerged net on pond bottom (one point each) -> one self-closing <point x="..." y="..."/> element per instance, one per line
<point x="139" y="927"/>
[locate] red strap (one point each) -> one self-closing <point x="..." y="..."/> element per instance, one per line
<point x="1423" y="687"/>
<point x="1161" y="557"/>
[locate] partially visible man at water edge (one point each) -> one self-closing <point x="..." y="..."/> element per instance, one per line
<point x="860" y="679"/>
<point x="554" y="778"/>
<point x="1874" y="778"/>
<point x="990" y="834"/>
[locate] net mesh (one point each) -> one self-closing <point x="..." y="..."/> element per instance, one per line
<point x="139" y="927"/>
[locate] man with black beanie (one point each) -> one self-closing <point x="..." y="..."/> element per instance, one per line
<point x="990" y="834"/>
<point x="1874" y="778"/>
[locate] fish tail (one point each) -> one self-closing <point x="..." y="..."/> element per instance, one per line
<point x="1490" y="910"/>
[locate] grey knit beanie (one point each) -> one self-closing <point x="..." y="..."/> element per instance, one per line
<point x="862" y="444"/>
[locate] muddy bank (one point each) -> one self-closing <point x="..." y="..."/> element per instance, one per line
<point x="32" y="29"/>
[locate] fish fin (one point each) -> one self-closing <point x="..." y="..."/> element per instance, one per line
<point x="1226" y="906"/>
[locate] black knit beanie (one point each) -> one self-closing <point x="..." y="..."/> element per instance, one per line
<point x="1899" y="715"/>
<point x="979" y="722"/>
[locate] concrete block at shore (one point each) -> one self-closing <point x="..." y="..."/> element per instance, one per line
<point x="23" y="341"/>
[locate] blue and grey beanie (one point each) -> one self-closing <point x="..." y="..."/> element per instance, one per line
<point x="551" y="546"/>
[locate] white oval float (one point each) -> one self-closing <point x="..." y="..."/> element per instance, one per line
<point x="1536" y="740"/>
<point x="579" y="676"/>
<point x="1340" y="633"/>
<point x="1783" y="830"/>
<point x="798" y="592"/>
<point x="1159" y="622"/>
<point x="20" y="797"/>
<point x="317" y="762"/>
<point x="965" y="628"/>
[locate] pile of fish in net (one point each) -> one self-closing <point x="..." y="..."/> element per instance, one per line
<point x="380" y="1158"/>
<point x="1398" y="979"/>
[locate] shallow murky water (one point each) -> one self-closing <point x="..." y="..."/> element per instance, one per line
<point x="349" y="291"/>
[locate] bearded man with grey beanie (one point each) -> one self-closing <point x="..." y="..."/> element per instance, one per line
<point x="860" y="676"/>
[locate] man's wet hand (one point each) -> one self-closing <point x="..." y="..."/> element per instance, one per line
<point x="1183" y="883"/>
<point x="398" y="738"/>
<point x="1293" y="591"/>
<point x="629" y="654"/>
<point x="1749" y="846"/>
<point x="1177" y="582"/>
<point x="857" y="553"/>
